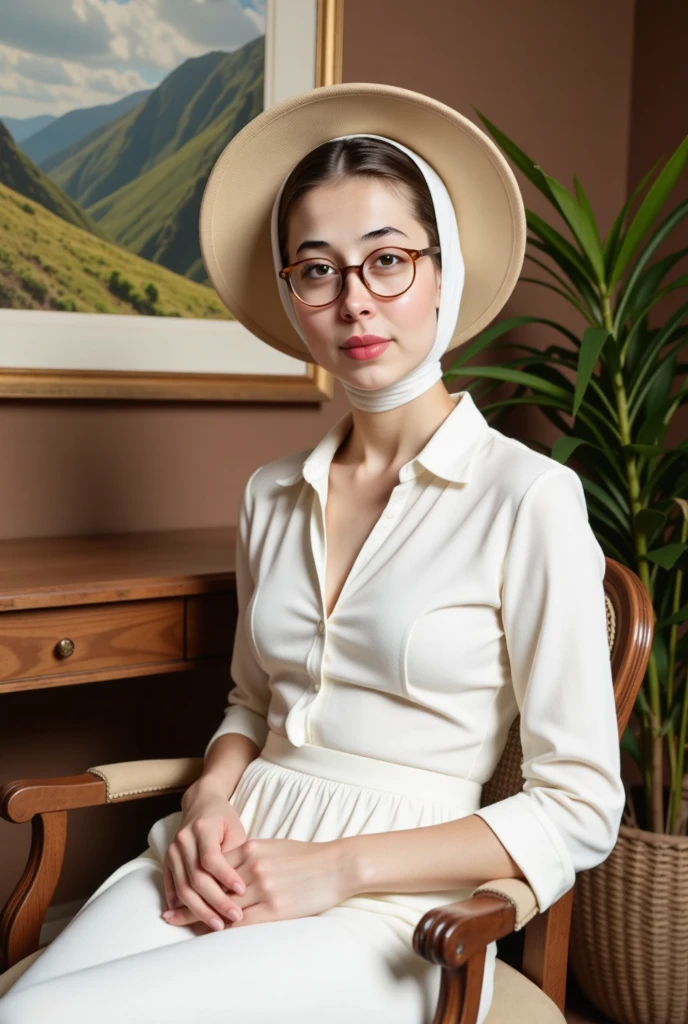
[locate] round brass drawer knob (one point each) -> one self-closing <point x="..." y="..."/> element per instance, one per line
<point x="64" y="648"/>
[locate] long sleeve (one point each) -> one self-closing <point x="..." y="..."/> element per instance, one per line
<point x="566" y="818"/>
<point x="249" y="698"/>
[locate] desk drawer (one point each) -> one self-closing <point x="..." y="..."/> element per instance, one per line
<point x="65" y="641"/>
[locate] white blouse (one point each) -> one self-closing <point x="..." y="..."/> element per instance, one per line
<point x="477" y="595"/>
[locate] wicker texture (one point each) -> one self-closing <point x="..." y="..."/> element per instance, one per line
<point x="632" y="958"/>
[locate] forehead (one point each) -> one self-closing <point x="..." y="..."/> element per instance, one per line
<point x="356" y="198"/>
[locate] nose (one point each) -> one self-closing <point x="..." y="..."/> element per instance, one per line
<point x="354" y="298"/>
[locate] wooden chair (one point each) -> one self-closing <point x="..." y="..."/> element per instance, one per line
<point x="454" y="936"/>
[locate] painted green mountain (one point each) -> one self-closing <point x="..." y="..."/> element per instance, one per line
<point x="22" y="175"/>
<point x="75" y="125"/>
<point x="142" y="177"/>
<point x="187" y="102"/>
<point x="46" y="263"/>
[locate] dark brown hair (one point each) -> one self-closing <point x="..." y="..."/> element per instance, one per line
<point x="373" y="158"/>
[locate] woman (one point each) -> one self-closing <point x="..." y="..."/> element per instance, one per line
<point x="405" y="589"/>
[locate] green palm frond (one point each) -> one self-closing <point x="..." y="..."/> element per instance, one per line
<point x="609" y="388"/>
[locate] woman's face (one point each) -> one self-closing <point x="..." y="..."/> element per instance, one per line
<point x="333" y="220"/>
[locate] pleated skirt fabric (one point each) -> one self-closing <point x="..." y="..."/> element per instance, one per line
<point x="316" y="794"/>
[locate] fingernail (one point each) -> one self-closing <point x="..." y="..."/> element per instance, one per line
<point x="234" y="914"/>
<point x="168" y="914"/>
<point x="239" y="888"/>
<point x="216" y="923"/>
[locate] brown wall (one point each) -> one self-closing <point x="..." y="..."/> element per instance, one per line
<point x="568" y="83"/>
<point x="536" y="69"/>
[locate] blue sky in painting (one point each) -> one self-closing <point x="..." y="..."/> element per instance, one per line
<point x="56" y="55"/>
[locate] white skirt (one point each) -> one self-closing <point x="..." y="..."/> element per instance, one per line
<point x="316" y="794"/>
<point x="117" y="961"/>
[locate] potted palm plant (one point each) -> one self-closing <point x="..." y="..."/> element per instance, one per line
<point x="611" y="388"/>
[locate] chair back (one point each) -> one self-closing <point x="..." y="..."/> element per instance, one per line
<point x="630" y="627"/>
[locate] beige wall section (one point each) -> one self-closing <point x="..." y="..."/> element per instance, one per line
<point x="555" y="77"/>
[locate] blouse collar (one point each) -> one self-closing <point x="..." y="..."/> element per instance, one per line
<point x="448" y="454"/>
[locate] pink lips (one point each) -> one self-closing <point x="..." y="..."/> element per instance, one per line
<point x="365" y="346"/>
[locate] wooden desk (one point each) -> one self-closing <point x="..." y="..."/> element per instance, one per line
<point x="106" y="606"/>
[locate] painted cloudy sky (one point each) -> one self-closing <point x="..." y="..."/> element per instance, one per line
<point x="56" y="55"/>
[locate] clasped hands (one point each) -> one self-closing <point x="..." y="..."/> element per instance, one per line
<point x="213" y="873"/>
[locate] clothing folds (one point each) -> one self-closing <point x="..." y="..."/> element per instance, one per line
<point x="478" y="595"/>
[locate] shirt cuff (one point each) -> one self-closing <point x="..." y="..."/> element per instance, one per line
<point x="535" y="844"/>
<point x="245" y="722"/>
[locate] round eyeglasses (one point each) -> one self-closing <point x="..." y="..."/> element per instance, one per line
<point x="385" y="272"/>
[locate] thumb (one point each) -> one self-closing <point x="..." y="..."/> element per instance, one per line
<point x="230" y="837"/>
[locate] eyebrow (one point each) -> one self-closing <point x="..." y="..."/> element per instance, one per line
<point x="314" y="243"/>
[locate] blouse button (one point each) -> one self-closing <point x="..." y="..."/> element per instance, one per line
<point x="389" y="515"/>
<point x="321" y="627"/>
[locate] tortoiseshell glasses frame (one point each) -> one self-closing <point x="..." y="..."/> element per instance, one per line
<point x="415" y="255"/>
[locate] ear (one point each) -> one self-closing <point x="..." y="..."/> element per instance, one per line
<point x="438" y="286"/>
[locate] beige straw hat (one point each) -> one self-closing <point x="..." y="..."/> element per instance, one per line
<point x="242" y="187"/>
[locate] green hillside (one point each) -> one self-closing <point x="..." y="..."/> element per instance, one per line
<point x="46" y="263"/>
<point x="21" y="174"/>
<point x="185" y="104"/>
<point x="75" y="125"/>
<point x="157" y="215"/>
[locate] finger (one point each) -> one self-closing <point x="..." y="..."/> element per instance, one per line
<point x="218" y="906"/>
<point x="211" y="858"/>
<point x="171" y="898"/>
<point x="181" y="916"/>
<point x="255" y="914"/>
<point x="205" y="882"/>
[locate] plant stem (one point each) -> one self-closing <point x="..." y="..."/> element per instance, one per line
<point x="655" y="813"/>
<point x="675" y="775"/>
<point x="675" y="792"/>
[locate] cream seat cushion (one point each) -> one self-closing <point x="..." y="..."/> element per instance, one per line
<point x="518" y="1000"/>
<point x="10" y="976"/>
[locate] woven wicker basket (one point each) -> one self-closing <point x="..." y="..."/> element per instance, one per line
<point x="629" y="929"/>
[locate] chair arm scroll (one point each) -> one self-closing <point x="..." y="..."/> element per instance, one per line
<point x="451" y="934"/>
<point x="45" y="803"/>
<point x="22" y="799"/>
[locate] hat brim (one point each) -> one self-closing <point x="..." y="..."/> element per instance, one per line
<point x="242" y="186"/>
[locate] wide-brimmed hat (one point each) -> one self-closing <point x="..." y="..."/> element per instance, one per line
<point x="241" y="190"/>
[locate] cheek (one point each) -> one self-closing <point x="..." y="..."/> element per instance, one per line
<point x="417" y="305"/>
<point x="313" y="321"/>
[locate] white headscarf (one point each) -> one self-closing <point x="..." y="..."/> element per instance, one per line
<point x="429" y="371"/>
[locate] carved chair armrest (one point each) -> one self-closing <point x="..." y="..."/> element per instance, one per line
<point x="456" y="937"/>
<point x="451" y="934"/>
<point x="104" y="784"/>
<point x="45" y="803"/>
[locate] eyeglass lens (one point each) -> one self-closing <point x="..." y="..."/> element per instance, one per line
<point x="386" y="272"/>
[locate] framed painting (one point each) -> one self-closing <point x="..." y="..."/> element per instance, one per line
<point x="112" y="114"/>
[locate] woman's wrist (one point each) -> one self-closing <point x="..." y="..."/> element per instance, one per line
<point x="207" y="784"/>
<point x="349" y="865"/>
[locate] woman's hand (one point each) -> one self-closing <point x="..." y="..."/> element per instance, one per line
<point x="285" y="878"/>
<point x="198" y="879"/>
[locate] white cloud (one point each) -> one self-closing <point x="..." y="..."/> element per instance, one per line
<point x="213" y="24"/>
<point x="94" y="51"/>
<point x="30" y="85"/>
<point x="55" y="29"/>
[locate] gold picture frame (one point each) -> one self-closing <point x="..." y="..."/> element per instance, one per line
<point x="275" y="377"/>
